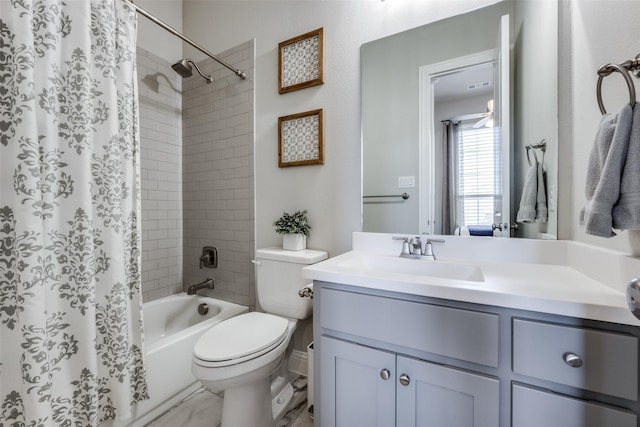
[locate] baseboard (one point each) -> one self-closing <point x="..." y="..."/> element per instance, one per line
<point x="298" y="362"/>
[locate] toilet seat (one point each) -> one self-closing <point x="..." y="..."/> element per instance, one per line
<point x="239" y="339"/>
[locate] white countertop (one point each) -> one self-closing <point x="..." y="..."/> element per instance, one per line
<point x="565" y="278"/>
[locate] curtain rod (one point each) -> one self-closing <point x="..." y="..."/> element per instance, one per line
<point x="173" y="31"/>
<point x="462" y="117"/>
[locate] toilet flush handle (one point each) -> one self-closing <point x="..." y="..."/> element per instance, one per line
<point x="256" y="262"/>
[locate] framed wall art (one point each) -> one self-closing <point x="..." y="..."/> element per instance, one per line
<point x="300" y="139"/>
<point x="300" y="62"/>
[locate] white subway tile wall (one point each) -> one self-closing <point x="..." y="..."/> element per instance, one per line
<point x="160" y="99"/>
<point x="217" y="162"/>
<point x="197" y="176"/>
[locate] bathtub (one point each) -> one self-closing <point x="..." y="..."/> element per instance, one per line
<point x="172" y="325"/>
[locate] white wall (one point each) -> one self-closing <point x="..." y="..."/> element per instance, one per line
<point x="331" y="192"/>
<point x="602" y="31"/>
<point x="155" y="39"/>
<point x="534" y="119"/>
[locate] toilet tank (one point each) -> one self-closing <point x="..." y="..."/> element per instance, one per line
<point x="279" y="278"/>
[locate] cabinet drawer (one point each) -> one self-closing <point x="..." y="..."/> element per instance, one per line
<point x="461" y="334"/>
<point x="608" y="361"/>
<point x="535" y="408"/>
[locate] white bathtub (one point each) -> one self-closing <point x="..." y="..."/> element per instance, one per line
<point x="172" y="326"/>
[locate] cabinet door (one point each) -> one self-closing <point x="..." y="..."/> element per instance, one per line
<point x="354" y="390"/>
<point x="439" y="396"/>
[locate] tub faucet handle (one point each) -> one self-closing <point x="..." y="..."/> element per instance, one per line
<point x="209" y="257"/>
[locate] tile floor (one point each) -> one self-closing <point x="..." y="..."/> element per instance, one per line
<point x="204" y="409"/>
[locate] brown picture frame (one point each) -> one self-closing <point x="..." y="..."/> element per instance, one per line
<point x="300" y="62"/>
<point x="300" y="139"/>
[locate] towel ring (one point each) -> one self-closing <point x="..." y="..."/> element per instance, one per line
<point x="606" y="70"/>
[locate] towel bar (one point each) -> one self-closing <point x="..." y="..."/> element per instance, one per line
<point x="404" y="196"/>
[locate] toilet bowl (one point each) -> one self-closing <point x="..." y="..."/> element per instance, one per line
<point x="243" y="355"/>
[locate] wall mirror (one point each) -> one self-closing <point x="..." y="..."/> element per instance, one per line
<point x="492" y="74"/>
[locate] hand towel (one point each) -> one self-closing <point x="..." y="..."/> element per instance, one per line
<point x="541" y="196"/>
<point x="527" y="209"/>
<point x="626" y="212"/>
<point x="604" y="172"/>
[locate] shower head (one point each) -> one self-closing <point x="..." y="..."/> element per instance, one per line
<point x="183" y="68"/>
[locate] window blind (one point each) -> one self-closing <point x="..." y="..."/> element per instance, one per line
<point x="479" y="181"/>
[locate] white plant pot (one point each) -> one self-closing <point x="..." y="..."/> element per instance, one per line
<point x="294" y="242"/>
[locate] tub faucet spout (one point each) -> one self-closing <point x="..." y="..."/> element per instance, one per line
<point x="209" y="283"/>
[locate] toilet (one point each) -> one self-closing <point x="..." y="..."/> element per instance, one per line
<point x="245" y="355"/>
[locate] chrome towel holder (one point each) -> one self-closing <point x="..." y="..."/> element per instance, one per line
<point x="542" y="145"/>
<point x="632" y="65"/>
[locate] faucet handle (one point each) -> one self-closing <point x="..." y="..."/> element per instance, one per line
<point x="428" y="248"/>
<point x="209" y="257"/>
<point x="205" y="259"/>
<point x="436" y="240"/>
<point x="405" y="245"/>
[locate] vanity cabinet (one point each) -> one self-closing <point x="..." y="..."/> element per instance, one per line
<point x="584" y="358"/>
<point x="389" y="359"/>
<point x="588" y="359"/>
<point x="368" y="386"/>
<point x="372" y="387"/>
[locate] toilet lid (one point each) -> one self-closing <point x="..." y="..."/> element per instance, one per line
<point x="241" y="336"/>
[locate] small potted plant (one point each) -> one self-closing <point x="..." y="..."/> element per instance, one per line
<point x="294" y="229"/>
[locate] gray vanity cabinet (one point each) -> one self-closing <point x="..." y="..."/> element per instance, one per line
<point x="370" y="387"/>
<point x="388" y="359"/>
<point x="364" y="384"/>
<point x="584" y="358"/>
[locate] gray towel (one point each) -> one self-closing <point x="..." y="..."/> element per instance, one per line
<point x="541" y="196"/>
<point x="527" y="209"/>
<point x="604" y="172"/>
<point x="626" y="213"/>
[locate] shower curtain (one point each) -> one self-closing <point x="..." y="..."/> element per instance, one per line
<point x="71" y="349"/>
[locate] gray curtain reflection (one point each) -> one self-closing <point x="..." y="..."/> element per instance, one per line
<point x="449" y="174"/>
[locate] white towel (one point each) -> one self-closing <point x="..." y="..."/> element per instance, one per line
<point x="626" y="212"/>
<point x="604" y="172"/>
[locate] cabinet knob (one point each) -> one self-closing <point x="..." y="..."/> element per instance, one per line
<point x="572" y="359"/>
<point x="404" y="379"/>
<point x="385" y="374"/>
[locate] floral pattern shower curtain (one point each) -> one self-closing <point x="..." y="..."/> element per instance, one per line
<point x="71" y="349"/>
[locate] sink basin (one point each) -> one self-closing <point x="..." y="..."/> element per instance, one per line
<point x="420" y="267"/>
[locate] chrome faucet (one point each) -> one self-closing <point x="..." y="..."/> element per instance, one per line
<point x="209" y="284"/>
<point x="413" y="248"/>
